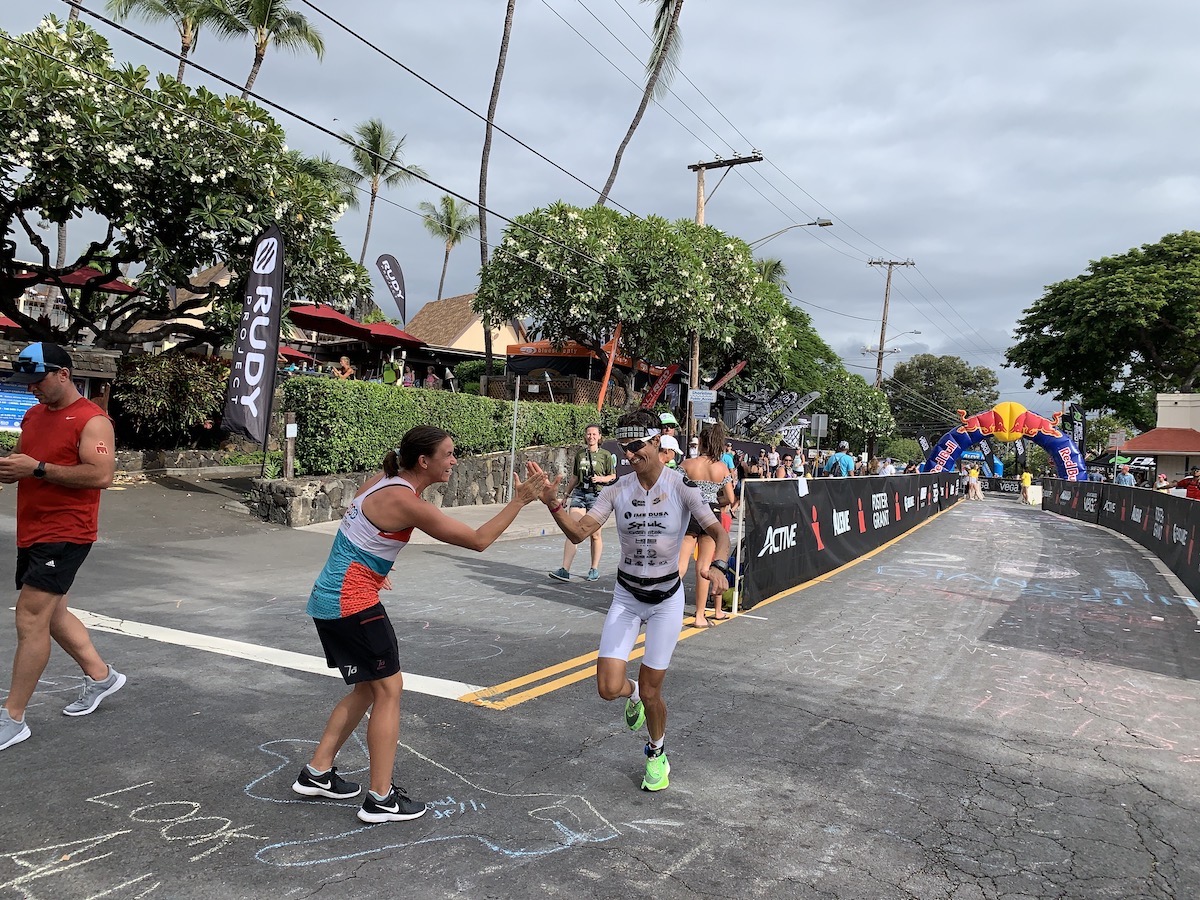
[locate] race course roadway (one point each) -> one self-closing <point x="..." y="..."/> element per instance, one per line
<point x="1002" y="704"/>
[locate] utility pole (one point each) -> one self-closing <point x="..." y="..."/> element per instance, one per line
<point x="887" y="293"/>
<point x="699" y="169"/>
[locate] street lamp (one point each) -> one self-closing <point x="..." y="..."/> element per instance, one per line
<point x="820" y="223"/>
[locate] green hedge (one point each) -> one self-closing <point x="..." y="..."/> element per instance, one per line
<point x="348" y="426"/>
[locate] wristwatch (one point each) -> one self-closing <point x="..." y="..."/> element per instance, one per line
<point x="720" y="566"/>
<point x="40" y="471"/>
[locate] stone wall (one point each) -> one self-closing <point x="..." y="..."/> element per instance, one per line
<point x="475" y="481"/>
<point x="134" y="461"/>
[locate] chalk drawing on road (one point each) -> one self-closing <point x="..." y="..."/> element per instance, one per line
<point x="39" y="867"/>
<point x="560" y="820"/>
<point x="1039" y="570"/>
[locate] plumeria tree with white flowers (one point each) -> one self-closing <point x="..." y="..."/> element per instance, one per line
<point x="578" y="272"/>
<point x="166" y="181"/>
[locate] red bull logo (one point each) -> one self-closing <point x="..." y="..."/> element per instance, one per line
<point x="1030" y="424"/>
<point x="988" y="421"/>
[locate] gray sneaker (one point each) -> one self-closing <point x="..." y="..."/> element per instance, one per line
<point x="95" y="691"/>
<point x="11" y="731"/>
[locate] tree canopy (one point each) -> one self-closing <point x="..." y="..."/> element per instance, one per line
<point x="858" y="413"/>
<point x="925" y="392"/>
<point x="1120" y="332"/>
<point x="179" y="180"/>
<point x="577" y="272"/>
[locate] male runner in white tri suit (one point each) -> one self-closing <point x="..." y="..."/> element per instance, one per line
<point x="653" y="506"/>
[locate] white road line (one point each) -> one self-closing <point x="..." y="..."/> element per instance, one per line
<point x="286" y="659"/>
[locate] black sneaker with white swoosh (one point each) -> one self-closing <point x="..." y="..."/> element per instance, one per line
<point x="395" y="807"/>
<point x="327" y="784"/>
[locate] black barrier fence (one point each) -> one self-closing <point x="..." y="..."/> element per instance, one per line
<point x="1166" y="525"/>
<point x="788" y="539"/>
<point x="1001" y="485"/>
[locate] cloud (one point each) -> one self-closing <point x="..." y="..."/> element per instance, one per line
<point x="1001" y="146"/>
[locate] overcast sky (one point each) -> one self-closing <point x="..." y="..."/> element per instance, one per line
<point x="1000" y="146"/>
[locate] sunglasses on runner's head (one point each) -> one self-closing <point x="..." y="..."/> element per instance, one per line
<point x="32" y="366"/>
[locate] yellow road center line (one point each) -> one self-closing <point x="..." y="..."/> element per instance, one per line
<point x="481" y="698"/>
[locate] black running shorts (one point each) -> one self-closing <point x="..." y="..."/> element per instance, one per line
<point x="50" y="567"/>
<point x="361" y="646"/>
<point x="695" y="529"/>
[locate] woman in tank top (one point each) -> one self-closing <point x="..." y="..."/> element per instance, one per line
<point x="353" y="626"/>
<point x="715" y="482"/>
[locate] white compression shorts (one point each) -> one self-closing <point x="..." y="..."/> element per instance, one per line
<point x="624" y="620"/>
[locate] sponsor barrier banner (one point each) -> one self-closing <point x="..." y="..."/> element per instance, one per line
<point x="1167" y="526"/>
<point x="256" y="348"/>
<point x="1077" y="499"/>
<point x="1001" y="485"/>
<point x="789" y="539"/>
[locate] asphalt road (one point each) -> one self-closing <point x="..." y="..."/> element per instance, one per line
<point x="1002" y="704"/>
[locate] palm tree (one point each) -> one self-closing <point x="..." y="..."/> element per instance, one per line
<point x="186" y="15"/>
<point x="449" y="222"/>
<point x="268" y="22"/>
<point x="773" y="271"/>
<point x="662" y="62"/>
<point x="341" y="180"/>
<point x="377" y="156"/>
<point x="483" y="170"/>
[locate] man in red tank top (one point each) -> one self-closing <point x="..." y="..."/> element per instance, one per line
<point x="63" y="459"/>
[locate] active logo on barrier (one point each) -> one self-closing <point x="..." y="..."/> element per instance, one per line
<point x="781" y="538"/>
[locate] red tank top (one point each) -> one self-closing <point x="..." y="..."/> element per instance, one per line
<point x="48" y="513"/>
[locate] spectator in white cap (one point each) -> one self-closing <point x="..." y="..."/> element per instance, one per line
<point x="670" y="450"/>
<point x="693" y="448"/>
<point x="670" y="428"/>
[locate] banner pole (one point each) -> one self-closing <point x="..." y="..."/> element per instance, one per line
<point x="512" y="452"/>
<point x="737" y="553"/>
<point x="608" y="369"/>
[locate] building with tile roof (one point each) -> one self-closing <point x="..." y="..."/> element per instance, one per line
<point x="451" y="324"/>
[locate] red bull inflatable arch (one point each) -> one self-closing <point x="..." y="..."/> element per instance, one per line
<point x="1008" y="421"/>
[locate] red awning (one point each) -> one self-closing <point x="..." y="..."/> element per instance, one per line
<point x="291" y="353"/>
<point x="572" y="350"/>
<point x="328" y="320"/>
<point x="391" y="336"/>
<point x="85" y="274"/>
<point x="6" y="322"/>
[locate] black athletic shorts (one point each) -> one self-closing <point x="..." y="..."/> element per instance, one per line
<point x="50" y="567"/>
<point x="695" y="529"/>
<point x="362" y="646"/>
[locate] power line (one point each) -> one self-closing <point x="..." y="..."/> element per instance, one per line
<point x="826" y="308"/>
<point x="448" y="96"/>
<point x="321" y="128"/>
<point x="605" y="57"/>
<point x="177" y="113"/>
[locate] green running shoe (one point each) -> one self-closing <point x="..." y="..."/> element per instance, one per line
<point x="635" y="714"/>
<point x="657" y="770"/>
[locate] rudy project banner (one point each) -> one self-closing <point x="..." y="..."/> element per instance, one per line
<point x="659" y="385"/>
<point x="393" y="276"/>
<point x="791" y="539"/>
<point x="252" y="371"/>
